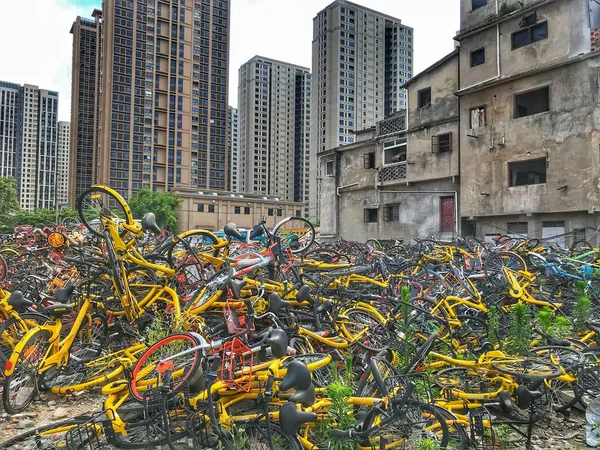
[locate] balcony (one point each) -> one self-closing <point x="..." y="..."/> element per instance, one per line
<point x="392" y="173"/>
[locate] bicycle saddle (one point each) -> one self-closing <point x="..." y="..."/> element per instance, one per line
<point x="276" y="302"/>
<point x="485" y="347"/>
<point x="149" y="223"/>
<point x="18" y="301"/>
<point x="306" y="397"/>
<point x="236" y="287"/>
<point x="297" y="377"/>
<point x="279" y="343"/>
<point x="325" y="306"/>
<point x="63" y="295"/>
<point x="303" y="294"/>
<point x="57" y="310"/>
<point x="291" y="418"/>
<point x="525" y="397"/>
<point x="553" y="258"/>
<point x="231" y="230"/>
<point x="505" y="402"/>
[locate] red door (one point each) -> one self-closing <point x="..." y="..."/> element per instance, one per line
<point x="447" y="217"/>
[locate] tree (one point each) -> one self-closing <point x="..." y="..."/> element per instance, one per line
<point x="8" y="198"/>
<point x="162" y="204"/>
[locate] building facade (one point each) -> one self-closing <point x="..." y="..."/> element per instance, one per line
<point x="360" y="59"/>
<point x="274" y="117"/>
<point x="400" y="180"/>
<point x="62" y="164"/>
<point x="161" y="110"/>
<point x="211" y="211"/>
<point x="233" y="149"/>
<point x="11" y="113"/>
<point x="84" y="143"/>
<point x="529" y="138"/>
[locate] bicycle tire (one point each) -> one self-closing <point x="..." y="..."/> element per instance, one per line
<point x="520" y="368"/>
<point x="494" y="267"/>
<point x="189" y="240"/>
<point x="209" y="293"/>
<point x="25" y="372"/>
<point x="287" y="226"/>
<point x="377" y="333"/>
<point x="100" y="202"/>
<point x="12" y="331"/>
<point x="144" y="368"/>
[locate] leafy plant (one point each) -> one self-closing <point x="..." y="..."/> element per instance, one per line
<point x="427" y="444"/>
<point x="544" y="319"/>
<point x="583" y="304"/>
<point x="519" y="330"/>
<point x="493" y="324"/>
<point x="162" y="204"/>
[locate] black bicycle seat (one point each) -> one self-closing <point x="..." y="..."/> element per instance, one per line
<point x="524" y="396"/>
<point x="303" y="294"/>
<point x="291" y="418"/>
<point x="306" y="397"/>
<point x="149" y="223"/>
<point x="236" y="287"/>
<point x="505" y="402"/>
<point x="485" y="347"/>
<point x="276" y="303"/>
<point x="57" y="310"/>
<point x="18" y="301"/>
<point x="231" y="231"/>
<point x="325" y="306"/>
<point x="297" y="377"/>
<point x="63" y="295"/>
<point x="553" y="258"/>
<point x="279" y="343"/>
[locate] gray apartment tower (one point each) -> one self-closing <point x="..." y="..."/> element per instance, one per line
<point x="62" y="164"/>
<point x="84" y="105"/>
<point x="29" y="142"/>
<point x="360" y="58"/>
<point x="233" y="148"/>
<point x="161" y="79"/>
<point x="274" y="125"/>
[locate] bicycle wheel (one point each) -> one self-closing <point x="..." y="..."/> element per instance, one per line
<point x="189" y="247"/>
<point x="99" y="203"/>
<point x="494" y="267"/>
<point x="374" y="335"/>
<point x="299" y="233"/>
<point x="12" y="331"/>
<point x="255" y="437"/>
<point x="53" y="436"/>
<point x="145" y="373"/>
<point x="527" y="368"/>
<point x="209" y="293"/>
<point x="20" y="387"/>
<point x="465" y="380"/>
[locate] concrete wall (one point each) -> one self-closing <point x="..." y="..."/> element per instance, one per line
<point x="568" y="135"/>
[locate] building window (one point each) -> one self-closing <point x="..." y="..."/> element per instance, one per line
<point x="329" y="168"/>
<point x="211" y="208"/>
<point x="279" y="212"/>
<point x="522" y="173"/>
<point x="394" y="152"/>
<point x="200" y="207"/>
<point x="477" y="117"/>
<point x="516" y="229"/>
<point x="529" y="35"/>
<point x="532" y="102"/>
<point x="442" y="143"/>
<point x="270" y="211"/>
<point x="236" y="210"/>
<point x="478" y="3"/>
<point x="247" y="210"/>
<point x="447" y="214"/>
<point x="477" y="57"/>
<point x="369" y="160"/>
<point x="553" y="232"/>
<point x="391" y="213"/>
<point x="370" y="215"/>
<point x="424" y="97"/>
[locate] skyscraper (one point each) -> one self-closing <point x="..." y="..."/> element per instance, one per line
<point x="233" y="143"/>
<point x="274" y="110"/>
<point x="28" y="142"/>
<point x="163" y="103"/>
<point x="62" y="163"/>
<point x="360" y="58"/>
<point x="84" y="105"/>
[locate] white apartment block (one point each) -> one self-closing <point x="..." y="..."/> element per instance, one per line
<point x="360" y="58"/>
<point x="233" y="147"/>
<point x="10" y="96"/>
<point x="274" y="128"/>
<point x="62" y="163"/>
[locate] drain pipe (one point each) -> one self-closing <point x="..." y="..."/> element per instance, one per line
<point x="337" y="189"/>
<point x="454" y="193"/>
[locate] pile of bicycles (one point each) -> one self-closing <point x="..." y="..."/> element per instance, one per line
<point x="280" y="342"/>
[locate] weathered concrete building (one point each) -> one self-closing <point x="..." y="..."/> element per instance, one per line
<point x="400" y="179"/>
<point x="529" y="118"/>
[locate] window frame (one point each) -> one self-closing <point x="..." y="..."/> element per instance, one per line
<point x="396" y="144"/>
<point x="329" y="173"/>
<point x="529" y="30"/>
<point x="529" y="91"/>
<point x="420" y="93"/>
<point x="510" y="171"/>
<point x="391" y="212"/>
<point x="474" y="7"/>
<point x="471" y="116"/>
<point x="436" y="148"/>
<point x="367" y="215"/>
<point x="480" y="49"/>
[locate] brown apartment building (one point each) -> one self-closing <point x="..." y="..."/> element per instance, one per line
<point x="162" y="90"/>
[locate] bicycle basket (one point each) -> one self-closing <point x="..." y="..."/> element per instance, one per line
<point x="482" y="434"/>
<point x="89" y="435"/>
<point x="236" y="359"/>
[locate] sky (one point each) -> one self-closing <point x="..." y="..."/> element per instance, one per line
<point x="37" y="46"/>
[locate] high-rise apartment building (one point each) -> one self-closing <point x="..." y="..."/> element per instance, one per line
<point x="274" y="110"/>
<point x="10" y="125"/>
<point x="62" y="163"/>
<point x="360" y="58"/>
<point x="162" y="78"/>
<point x="233" y="144"/>
<point x="84" y="104"/>
<point x="28" y="142"/>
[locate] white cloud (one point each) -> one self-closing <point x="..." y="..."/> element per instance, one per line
<point x="36" y="46"/>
